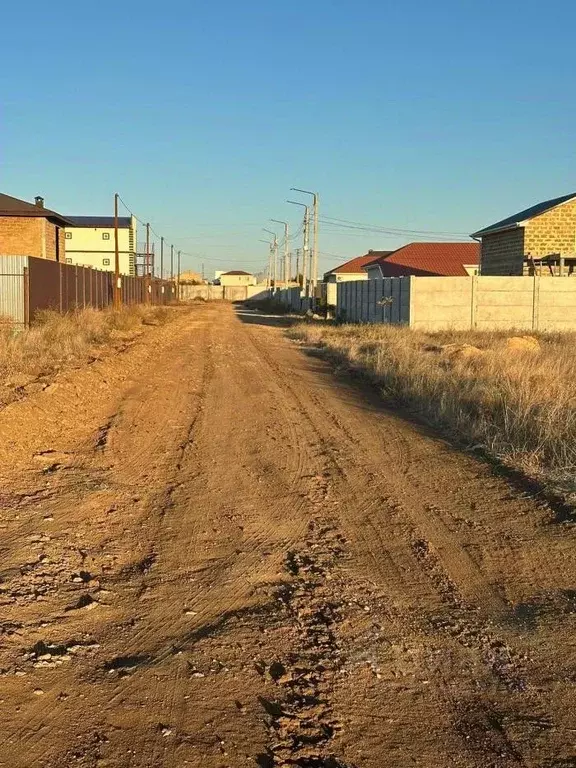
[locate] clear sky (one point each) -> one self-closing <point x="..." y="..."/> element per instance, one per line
<point x="441" y="116"/>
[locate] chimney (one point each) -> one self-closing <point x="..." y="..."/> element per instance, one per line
<point x="39" y="201"/>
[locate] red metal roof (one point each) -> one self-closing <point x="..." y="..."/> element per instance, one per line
<point x="356" y="265"/>
<point x="421" y="259"/>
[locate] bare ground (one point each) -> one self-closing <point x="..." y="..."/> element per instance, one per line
<point x="216" y="553"/>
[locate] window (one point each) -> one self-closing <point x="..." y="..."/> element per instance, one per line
<point x="68" y="235"/>
<point x="68" y="261"/>
<point x="105" y="235"/>
<point x="106" y="262"/>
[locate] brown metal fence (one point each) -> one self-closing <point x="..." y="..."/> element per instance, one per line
<point x="65" y="287"/>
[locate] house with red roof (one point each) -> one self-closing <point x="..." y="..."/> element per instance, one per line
<point x="427" y="260"/>
<point x="353" y="269"/>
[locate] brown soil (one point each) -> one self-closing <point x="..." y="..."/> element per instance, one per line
<point x="216" y="553"/>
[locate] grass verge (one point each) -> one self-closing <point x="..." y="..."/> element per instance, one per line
<point x="55" y="342"/>
<point x="512" y="396"/>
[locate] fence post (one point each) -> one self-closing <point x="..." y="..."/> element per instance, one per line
<point x="26" y="277"/>
<point x="536" y="303"/>
<point x="474" y="303"/>
<point x="60" y="284"/>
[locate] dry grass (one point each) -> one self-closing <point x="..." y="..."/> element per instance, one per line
<point x="519" y="405"/>
<point x="58" y="341"/>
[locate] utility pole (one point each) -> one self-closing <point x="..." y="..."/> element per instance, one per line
<point x="147" y="267"/>
<point x="306" y="249"/>
<point x="275" y="252"/>
<point x="286" y="246"/>
<point x="147" y="250"/>
<point x="172" y="262"/>
<point x="179" y="270"/>
<point x="161" y="258"/>
<point x="298" y="265"/>
<point x="269" y="272"/>
<point x="117" y="284"/>
<point x="314" y="270"/>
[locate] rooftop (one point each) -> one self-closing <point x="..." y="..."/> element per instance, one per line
<point x="528" y="213"/>
<point x="426" y="259"/>
<point x="356" y="265"/>
<point x="104" y="222"/>
<point x="12" y="206"/>
<point x="236" y="272"/>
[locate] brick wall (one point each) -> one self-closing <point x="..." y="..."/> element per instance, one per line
<point x="502" y="253"/>
<point x="552" y="232"/>
<point x="55" y="242"/>
<point x="31" y="236"/>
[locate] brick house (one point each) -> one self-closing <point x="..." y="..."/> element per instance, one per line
<point x="538" y="240"/>
<point x="30" y="229"/>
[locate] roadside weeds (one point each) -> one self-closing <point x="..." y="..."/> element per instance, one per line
<point x="57" y="342"/>
<point x="509" y="395"/>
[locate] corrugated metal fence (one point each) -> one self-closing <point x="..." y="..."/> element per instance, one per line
<point x="28" y="285"/>
<point x="375" y="301"/>
<point x="12" y="293"/>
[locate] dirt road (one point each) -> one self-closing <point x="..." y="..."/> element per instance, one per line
<point x="214" y="552"/>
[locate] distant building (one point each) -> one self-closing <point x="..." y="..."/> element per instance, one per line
<point x="237" y="277"/>
<point x="353" y="269"/>
<point x="30" y="229"/>
<point x="427" y="260"/>
<point x="539" y="239"/>
<point x="90" y="242"/>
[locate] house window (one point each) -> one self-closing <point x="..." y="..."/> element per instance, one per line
<point x="68" y="235"/>
<point x="68" y="261"/>
<point x="105" y="235"/>
<point x="106" y="262"/>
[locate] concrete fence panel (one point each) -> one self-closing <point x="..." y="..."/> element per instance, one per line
<point x="504" y="302"/>
<point x="555" y="304"/>
<point x="443" y="302"/>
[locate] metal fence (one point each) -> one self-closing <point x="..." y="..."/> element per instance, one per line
<point x="28" y="285"/>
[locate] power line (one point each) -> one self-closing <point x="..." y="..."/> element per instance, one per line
<point x="347" y="224"/>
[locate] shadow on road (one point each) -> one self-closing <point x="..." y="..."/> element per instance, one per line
<point x="257" y="317"/>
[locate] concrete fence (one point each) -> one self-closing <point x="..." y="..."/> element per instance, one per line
<point x="222" y="293"/>
<point x="462" y="303"/>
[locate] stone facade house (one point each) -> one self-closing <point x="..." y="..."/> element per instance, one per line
<point x="538" y="240"/>
<point x="30" y="229"/>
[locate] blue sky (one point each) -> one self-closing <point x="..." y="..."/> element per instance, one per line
<point x="439" y="116"/>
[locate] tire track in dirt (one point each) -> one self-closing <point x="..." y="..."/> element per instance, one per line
<point x="285" y="521"/>
<point x="452" y="568"/>
<point x="38" y="713"/>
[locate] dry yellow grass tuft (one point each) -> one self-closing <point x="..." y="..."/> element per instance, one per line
<point x="57" y="341"/>
<point x="513" y="395"/>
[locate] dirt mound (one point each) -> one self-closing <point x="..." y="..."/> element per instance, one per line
<point x="523" y="344"/>
<point x="461" y="351"/>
